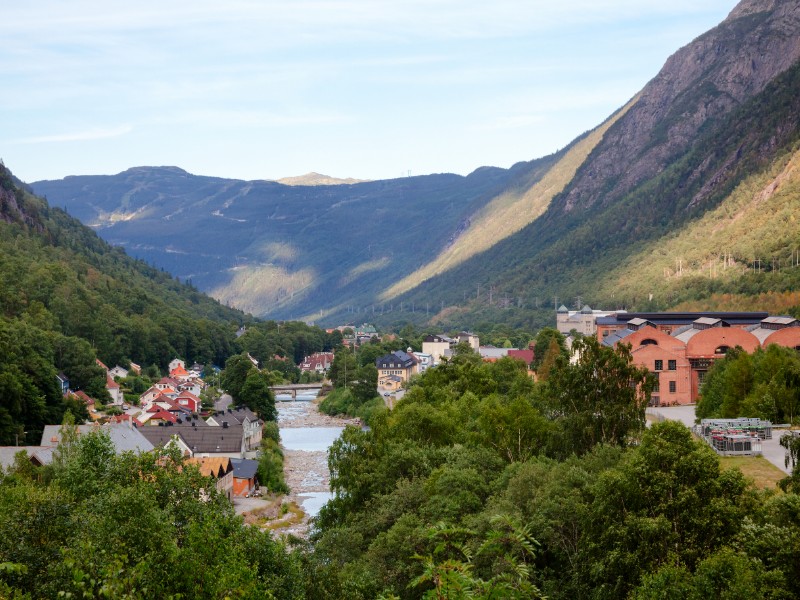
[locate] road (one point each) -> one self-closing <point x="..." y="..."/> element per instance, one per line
<point x="223" y="403"/>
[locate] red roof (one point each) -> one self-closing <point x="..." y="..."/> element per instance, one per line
<point x="163" y="415"/>
<point x="82" y="395"/>
<point x="124" y="418"/>
<point x="97" y="360"/>
<point x="523" y="355"/>
<point x="179" y="371"/>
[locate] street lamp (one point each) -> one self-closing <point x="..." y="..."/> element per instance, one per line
<point x="16" y="435"/>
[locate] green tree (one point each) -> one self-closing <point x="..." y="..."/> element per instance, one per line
<point x="344" y="368"/>
<point x="542" y="344"/>
<point x="257" y="395"/>
<point x="233" y="377"/>
<point x="600" y="399"/>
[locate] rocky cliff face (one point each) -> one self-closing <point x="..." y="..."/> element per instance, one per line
<point x="699" y="83"/>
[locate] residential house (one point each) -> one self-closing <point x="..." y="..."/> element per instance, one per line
<point x="245" y="480"/>
<point x="250" y="422"/>
<point x="63" y="383"/>
<point x="466" y="337"/>
<point x="123" y="436"/>
<point x="175" y="363"/>
<point x="218" y="468"/>
<point x="38" y="455"/>
<point x="319" y="362"/>
<point x="438" y="346"/>
<point x="395" y="368"/>
<point x="200" y="441"/>
<point x="111" y="386"/>
<point x="118" y="371"/>
<point x="189" y="401"/>
<point x="114" y="391"/>
<point x="424" y="361"/>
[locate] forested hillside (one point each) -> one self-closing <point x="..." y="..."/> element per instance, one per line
<point x="278" y="250"/>
<point x="68" y="298"/>
<point x="688" y="197"/>
<point x="683" y="197"/>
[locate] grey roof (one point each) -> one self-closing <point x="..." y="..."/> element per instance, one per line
<point x="488" y="352"/>
<point x="208" y="440"/>
<point x="398" y="357"/>
<point x="683" y="318"/>
<point x="439" y="338"/>
<point x="615" y="337"/>
<point x="710" y="321"/>
<point x="124" y="437"/>
<point x="244" y="468"/>
<point x="638" y="322"/>
<point x="586" y="310"/>
<point x="239" y="415"/>
<point x="680" y="330"/>
<point x="687" y="334"/>
<point x="761" y="333"/>
<point x="782" y="321"/>
<point x="127" y="439"/>
<point x="562" y="310"/>
<point x="7" y="454"/>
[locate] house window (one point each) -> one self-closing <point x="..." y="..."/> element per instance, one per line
<point x="721" y="350"/>
<point x="672" y="365"/>
<point x="672" y="387"/>
<point x="657" y="387"/>
<point x="649" y="342"/>
<point x="701" y="377"/>
<point x="659" y="365"/>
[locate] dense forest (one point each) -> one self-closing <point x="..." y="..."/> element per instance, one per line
<point x="481" y="483"/>
<point x="67" y="298"/>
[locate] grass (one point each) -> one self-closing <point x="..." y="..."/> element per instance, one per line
<point x="764" y="474"/>
<point x="277" y="514"/>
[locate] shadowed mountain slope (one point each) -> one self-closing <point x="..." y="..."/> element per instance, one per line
<point x="601" y="219"/>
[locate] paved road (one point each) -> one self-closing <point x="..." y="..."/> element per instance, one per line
<point x="224" y="402"/>
<point x="770" y="449"/>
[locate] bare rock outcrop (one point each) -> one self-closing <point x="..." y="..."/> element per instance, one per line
<point x="701" y="82"/>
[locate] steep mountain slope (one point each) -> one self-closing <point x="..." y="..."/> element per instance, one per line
<point x="607" y="218"/>
<point x="67" y="298"/>
<point x="723" y="110"/>
<point x="279" y="250"/>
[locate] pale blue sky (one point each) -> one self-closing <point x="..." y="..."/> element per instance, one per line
<point x="370" y="89"/>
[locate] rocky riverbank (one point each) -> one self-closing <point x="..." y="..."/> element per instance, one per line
<point x="306" y="471"/>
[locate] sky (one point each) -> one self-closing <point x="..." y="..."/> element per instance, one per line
<point x="371" y="89"/>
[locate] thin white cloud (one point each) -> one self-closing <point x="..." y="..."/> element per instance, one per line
<point x="78" y="136"/>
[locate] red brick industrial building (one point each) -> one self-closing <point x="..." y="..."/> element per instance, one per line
<point x="680" y="347"/>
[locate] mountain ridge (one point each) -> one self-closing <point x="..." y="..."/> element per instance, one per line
<point x="719" y="112"/>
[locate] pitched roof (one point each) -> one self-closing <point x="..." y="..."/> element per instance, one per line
<point x="216" y="466"/>
<point x="122" y="436"/>
<point x="244" y="468"/>
<point x="525" y="355"/>
<point x="205" y="440"/>
<point x="179" y="371"/>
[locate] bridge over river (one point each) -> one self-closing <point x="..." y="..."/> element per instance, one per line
<point x="295" y="388"/>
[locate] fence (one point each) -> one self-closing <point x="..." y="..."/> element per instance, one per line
<point x="735" y="437"/>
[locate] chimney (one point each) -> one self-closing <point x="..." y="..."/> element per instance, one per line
<point x="224" y="424"/>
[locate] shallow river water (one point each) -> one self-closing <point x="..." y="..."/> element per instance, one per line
<point x="306" y="435"/>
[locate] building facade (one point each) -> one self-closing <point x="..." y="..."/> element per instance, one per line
<point x="679" y="348"/>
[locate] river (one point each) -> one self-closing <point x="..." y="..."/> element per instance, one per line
<point x="306" y="435"/>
